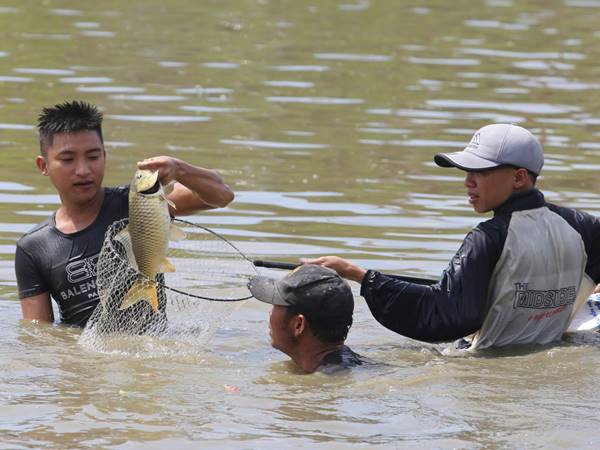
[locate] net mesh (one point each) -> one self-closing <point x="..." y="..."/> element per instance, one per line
<point x="193" y="302"/>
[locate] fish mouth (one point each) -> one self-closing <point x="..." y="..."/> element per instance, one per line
<point x="145" y="181"/>
<point x="153" y="190"/>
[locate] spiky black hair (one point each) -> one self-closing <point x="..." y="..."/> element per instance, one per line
<point x="68" y="117"/>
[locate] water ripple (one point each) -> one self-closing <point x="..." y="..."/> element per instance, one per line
<point x="316" y="100"/>
<point x="583" y="3"/>
<point x="496" y="24"/>
<point x="150" y="98"/>
<point x="300" y="68"/>
<point x="9" y="79"/>
<point x="158" y="119"/>
<point x="446" y="115"/>
<point x="211" y="109"/>
<point x="172" y="64"/>
<point x="352" y="57"/>
<point x="299" y="201"/>
<point x="199" y="90"/>
<point x="414" y="143"/>
<point x="39" y="71"/>
<point x="97" y="33"/>
<point x="84" y="80"/>
<point x="110" y="89"/>
<point x="522" y="55"/>
<point x="360" y="5"/>
<point x="66" y="12"/>
<point x="42" y="36"/>
<point x="87" y="24"/>
<point x="529" y="108"/>
<point x="443" y="61"/>
<point x="292" y="84"/>
<point x="10" y="186"/>
<point x="271" y="144"/>
<point x="15" y="126"/>
<point x="542" y="65"/>
<point x="220" y="65"/>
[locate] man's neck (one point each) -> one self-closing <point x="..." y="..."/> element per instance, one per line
<point x="310" y="355"/>
<point x="71" y="217"/>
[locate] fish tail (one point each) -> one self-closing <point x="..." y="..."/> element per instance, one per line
<point x="141" y="290"/>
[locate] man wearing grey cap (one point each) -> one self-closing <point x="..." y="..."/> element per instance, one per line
<point x="310" y="318"/>
<point x="518" y="278"/>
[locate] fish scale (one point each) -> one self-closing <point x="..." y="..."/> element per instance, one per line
<point x="148" y="232"/>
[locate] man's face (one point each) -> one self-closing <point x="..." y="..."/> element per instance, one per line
<point x="75" y="163"/>
<point x="282" y="337"/>
<point x="488" y="189"/>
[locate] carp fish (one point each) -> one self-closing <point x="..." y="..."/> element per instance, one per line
<point x="147" y="236"/>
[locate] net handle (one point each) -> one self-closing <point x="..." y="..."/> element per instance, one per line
<point x="290" y="266"/>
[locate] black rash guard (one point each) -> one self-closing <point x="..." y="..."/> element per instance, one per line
<point x="340" y="359"/>
<point x="456" y="306"/>
<point x="64" y="265"/>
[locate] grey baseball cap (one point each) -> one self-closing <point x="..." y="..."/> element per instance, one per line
<point x="316" y="291"/>
<point x="496" y="145"/>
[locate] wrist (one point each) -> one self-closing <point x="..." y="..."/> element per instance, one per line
<point x="357" y="274"/>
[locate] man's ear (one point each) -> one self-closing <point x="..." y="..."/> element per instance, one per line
<point x="40" y="161"/>
<point x="299" y="324"/>
<point x="522" y="179"/>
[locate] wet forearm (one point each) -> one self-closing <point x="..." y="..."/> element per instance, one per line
<point x="207" y="184"/>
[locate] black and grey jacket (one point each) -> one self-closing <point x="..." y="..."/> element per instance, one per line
<point x="531" y="278"/>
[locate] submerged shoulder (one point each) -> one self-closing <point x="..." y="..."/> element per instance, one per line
<point x="340" y="359"/>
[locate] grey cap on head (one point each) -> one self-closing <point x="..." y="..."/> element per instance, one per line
<point x="316" y="291"/>
<point x="496" y="145"/>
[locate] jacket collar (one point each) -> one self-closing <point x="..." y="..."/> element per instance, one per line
<point x="520" y="201"/>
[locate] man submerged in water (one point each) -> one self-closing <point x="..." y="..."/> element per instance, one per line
<point x="310" y="318"/>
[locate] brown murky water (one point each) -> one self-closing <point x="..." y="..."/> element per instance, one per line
<point x="324" y="117"/>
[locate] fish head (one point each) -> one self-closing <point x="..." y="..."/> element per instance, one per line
<point x="145" y="181"/>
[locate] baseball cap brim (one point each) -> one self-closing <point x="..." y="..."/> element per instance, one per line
<point x="265" y="290"/>
<point x="464" y="160"/>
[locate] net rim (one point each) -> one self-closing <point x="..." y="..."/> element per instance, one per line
<point x="123" y="222"/>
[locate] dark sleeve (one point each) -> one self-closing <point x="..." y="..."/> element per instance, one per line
<point x="30" y="281"/>
<point x="451" y="309"/>
<point x="590" y="233"/>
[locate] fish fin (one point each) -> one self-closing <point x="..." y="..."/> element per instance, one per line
<point x="124" y="238"/>
<point x="176" y="233"/>
<point x="141" y="291"/>
<point x="166" y="266"/>
<point x="168" y="188"/>
<point x="123" y="235"/>
<point x="169" y="202"/>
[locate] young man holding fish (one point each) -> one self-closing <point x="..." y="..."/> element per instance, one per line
<point x="517" y="278"/>
<point x="310" y="318"/>
<point x="57" y="259"/>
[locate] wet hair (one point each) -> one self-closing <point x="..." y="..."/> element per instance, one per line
<point x="325" y="330"/>
<point x="68" y="117"/>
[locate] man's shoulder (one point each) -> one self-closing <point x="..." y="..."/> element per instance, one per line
<point x="340" y="359"/>
<point x="37" y="233"/>
<point x="116" y="191"/>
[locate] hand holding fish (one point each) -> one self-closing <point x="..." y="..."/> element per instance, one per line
<point x="196" y="189"/>
<point x="166" y="166"/>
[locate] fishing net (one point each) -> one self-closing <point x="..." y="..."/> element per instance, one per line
<point x="208" y="284"/>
